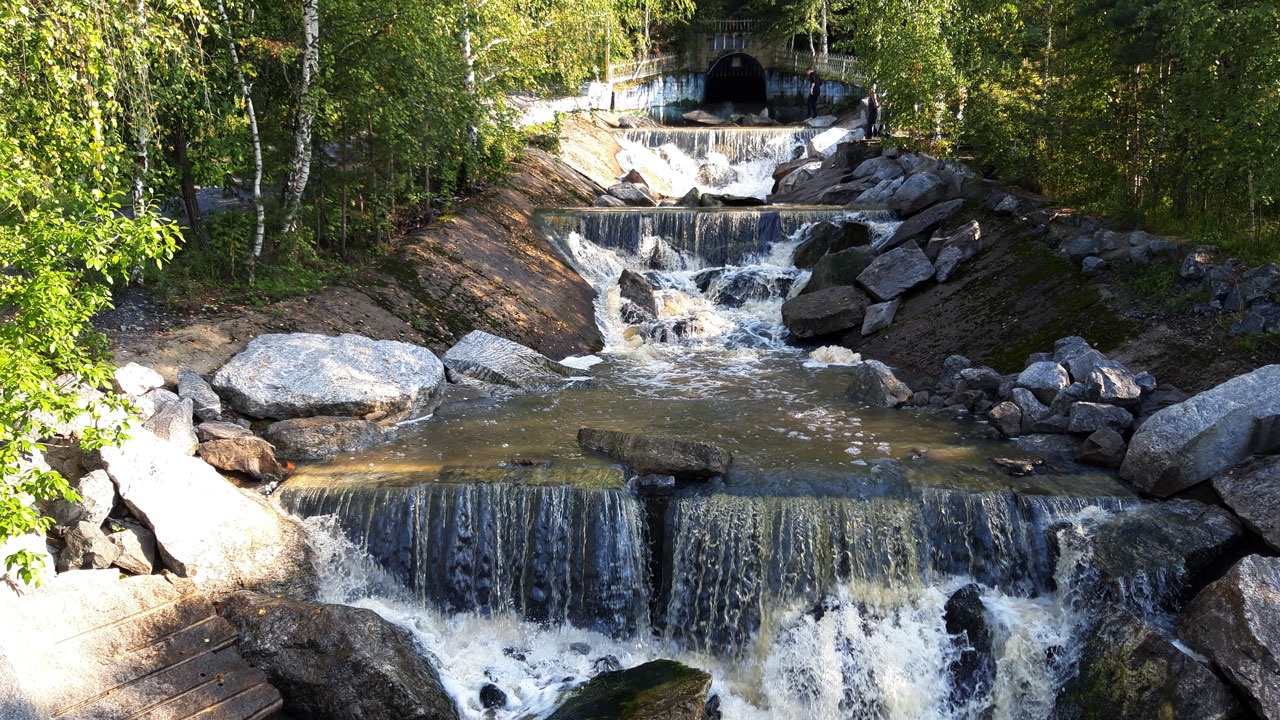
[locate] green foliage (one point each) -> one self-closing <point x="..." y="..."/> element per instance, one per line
<point x="69" y="80"/>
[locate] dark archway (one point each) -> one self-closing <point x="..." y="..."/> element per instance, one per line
<point x="737" y="78"/>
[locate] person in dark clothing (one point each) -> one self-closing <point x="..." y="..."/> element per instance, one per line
<point x="815" y="89"/>
<point x="873" y="114"/>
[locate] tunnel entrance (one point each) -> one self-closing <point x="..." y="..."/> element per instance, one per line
<point x="737" y="78"/>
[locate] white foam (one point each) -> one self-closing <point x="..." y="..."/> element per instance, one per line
<point x="829" y="355"/>
<point x="582" y="362"/>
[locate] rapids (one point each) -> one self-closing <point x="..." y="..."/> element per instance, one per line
<point x="811" y="581"/>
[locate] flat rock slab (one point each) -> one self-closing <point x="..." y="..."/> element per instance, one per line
<point x="1192" y="441"/>
<point x="896" y="272"/>
<point x="91" y="646"/>
<point x="294" y="375"/>
<point x="653" y="455"/>
<point x="496" y="360"/>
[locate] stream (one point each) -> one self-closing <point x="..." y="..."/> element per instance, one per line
<point x="811" y="580"/>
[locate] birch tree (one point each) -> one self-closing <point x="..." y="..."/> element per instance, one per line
<point x="246" y="93"/>
<point x="300" y="166"/>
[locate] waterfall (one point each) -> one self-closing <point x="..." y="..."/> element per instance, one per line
<point x="739" y="145"/>
<point x="736" y="565"/>
<point x="556" y="554"/>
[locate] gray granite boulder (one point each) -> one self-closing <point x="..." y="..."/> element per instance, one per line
<point x="205" y="403"/>
<point x="918" y="192"/>
<point x="839" y="268"/>
<point x="1235" y="622"/>
<point x="1044" y="379"/>
<point x="137" y="546"/>
<point x="829" y="310"/>
<point x="97" y="497"/>
<point x="1109" y="382"/>
<point x="1007" y="418"/>
<point x="281" y="376"/>
<point x="87" y="548"/>
<point x="921" y="223"/>
<point x="1087" y="417"/>
<point x="1190" y="442"/>
<point x="633" y="195"/>
<point x="172" y="421"/>
<point x="880" y="316"/>
<point x="250" y="455"/>
<point x="828" y="236"/>
<point x="1252" y="491"/>
<point x="217" y="430"/>
<point x="961" y="246"/>
<point x="896" y="272"/>
<point x="499" y="361"/>
<point x="1104" y="447"/>
<point x="656" y="690"/>
<point x="873" y="383"/>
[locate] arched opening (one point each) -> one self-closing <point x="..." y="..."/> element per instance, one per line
<point x="737" y="78"/>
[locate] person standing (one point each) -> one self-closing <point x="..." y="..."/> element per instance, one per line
<point x="873" y="114"/>
<point x="815" y="89"/>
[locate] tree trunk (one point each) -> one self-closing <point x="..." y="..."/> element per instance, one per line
<point x="300" y="168"/>
<point x="186" y="178"/>
<point x="259" y="230"/>
<point x="824" y="28"/>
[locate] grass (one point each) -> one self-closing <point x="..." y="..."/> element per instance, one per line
<point x="1232" y="235"/>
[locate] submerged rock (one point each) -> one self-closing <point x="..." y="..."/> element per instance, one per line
<point x="1127" y="670"/>
<point x="656" y="455"/>
<point x="295" y="375"/>
<point x="873" y="383"/>
<point x="1253" y="492"/>
<point x="656" y="690"/>
<point x="333" y="662"/>
<point x="320" y="438"/>
<point x="1235" y="622"/>
<point x="823" y="312"/>
<point x="496" y="360"/>
<point x="1187" y="443"/>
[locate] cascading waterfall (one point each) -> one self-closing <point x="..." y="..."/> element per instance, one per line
<point x="557" y="554"/>
<point x="814" y="588"/>
<point x="735" y="161"/>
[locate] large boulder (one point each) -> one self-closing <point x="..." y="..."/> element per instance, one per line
<point x="251" y="455"/>
<point x="881" y="167"/>
<point x="839" y="268"/>
<point x="499" y="361"/>
<point x="824" y="144"/>
<point x="320" y="438"/>
<point x="896" y="272"/>
<point x="655" y="455"/>
<point x="1104" y="447"/>
<point x="872" y="382"/>
<point x="918" y="192"/>
<point x="1127" y="670"/>
<point x="294" y="375"/>
<point x="1194" y="440"/>
<point x="1235" y="622"/>
<point x="1252" y="490"/>
<point x="206" y="529"/>
<point x="633" y="195"/>
<point x="632" y="286"/>
<point x="922" y="223"/>
<point x="204" y="401"/>
<point x="334" y="662"/>
<point x="656" y="690"/>
<point x="828" y="237"/>
<point x="973" y="671"/>
<point x="878" y="195"/>
<point x="826" y="311"/>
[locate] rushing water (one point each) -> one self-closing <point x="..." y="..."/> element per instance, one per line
<point x="811" y="580"/>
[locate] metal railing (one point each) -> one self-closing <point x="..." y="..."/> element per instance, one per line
<point x="724" y="25"/>
<point x="845" y="68"/>
<point x="647" y="67"/>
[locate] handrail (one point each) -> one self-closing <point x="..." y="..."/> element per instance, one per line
<point x="845" y="68"/>
<point x="644" y="67"/>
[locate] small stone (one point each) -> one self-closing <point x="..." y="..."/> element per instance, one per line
<point x="880" y="316"/>
<point x="872" y="382"/>
<point x="205" y="403"/>
<point x="87" y="548"/>
<point x="137" y="546"/>
<point x="217" y="430"/>
<point x="172" y="421"/>
<point x="1093" y="266"/>
<point x="135" y="379"/>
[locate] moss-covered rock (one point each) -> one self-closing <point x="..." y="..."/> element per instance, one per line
<point x="657" y="690"/>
